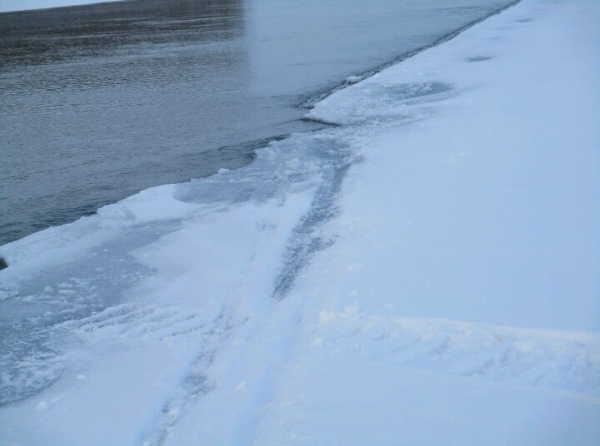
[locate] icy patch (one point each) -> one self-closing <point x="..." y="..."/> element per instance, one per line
<point x="150" y="205"/>
<point x="28" y="374"/>
<point x="376" y="101"/>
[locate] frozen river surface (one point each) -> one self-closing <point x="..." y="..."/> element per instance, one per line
<point x="101" y="101"/>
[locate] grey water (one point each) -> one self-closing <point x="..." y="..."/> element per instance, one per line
<point x="98" y="102"/>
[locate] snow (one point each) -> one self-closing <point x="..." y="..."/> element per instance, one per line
<point x="22" y="5"/>
<point x="426" y="273"/>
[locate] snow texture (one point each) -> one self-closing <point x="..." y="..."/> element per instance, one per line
<point x="425" y="273"/>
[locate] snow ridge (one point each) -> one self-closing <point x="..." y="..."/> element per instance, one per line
<point x="562" y="360"/>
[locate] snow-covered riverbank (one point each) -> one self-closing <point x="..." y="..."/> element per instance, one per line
<point x="426" y="273"/>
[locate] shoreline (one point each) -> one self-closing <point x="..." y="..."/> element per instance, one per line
<point x="304" y="102"/>
<point x="424" y="273"/>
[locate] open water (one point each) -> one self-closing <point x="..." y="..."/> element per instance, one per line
<point x="98" y="102"/>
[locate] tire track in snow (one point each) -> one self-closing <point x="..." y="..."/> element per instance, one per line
<point x="131" y="323"/>
<point x="336" y="158"/>
<point x="127" y="324"/>
<point x="561" y="360"/>
<point x="255" y="337"/>
<point x="196" y="382"/>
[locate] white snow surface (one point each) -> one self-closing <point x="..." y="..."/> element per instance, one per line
<point x="427" y="273"/>
<point x="22" y="5"/>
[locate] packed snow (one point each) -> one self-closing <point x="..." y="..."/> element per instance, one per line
<point x="423" y="273"/>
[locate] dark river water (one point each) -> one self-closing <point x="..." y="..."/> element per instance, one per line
<point x="98" y="102"/>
